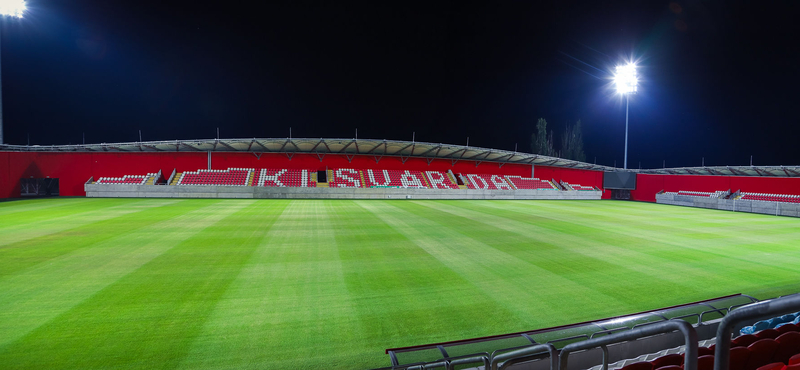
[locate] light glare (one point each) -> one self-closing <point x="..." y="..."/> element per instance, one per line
<point x="13" y="8"/>
<point x="626" y="80"/>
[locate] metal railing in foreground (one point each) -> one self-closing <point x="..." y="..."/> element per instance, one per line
<point x="689" y="338"/>
<point x="760" y="310"/>
<point x="476" y="348"/>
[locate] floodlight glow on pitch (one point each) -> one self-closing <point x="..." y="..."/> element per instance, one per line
<point x="626" y="79"/>
<point x="13" y="8"/>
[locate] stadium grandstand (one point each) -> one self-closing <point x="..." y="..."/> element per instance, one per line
<point x="396" y="248"/>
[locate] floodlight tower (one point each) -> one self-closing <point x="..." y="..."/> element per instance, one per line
<point x="627" y="83"/>
<point x="11" y="8"/>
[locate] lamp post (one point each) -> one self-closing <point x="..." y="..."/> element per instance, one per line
<point x="627" y="83"/>
<point x="11" y="8"/>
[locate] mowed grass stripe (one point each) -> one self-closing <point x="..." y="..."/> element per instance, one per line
<point x="532" y="294"/>
<point x="583" y="252"/>
<point x="41" y="207"/>
<point x="149" y="318"/>
<point x="20" y="227"/>
<point x="759" y="240"/>
<point x="672" y="253"/>
<point x="35" y="296"/>
<point x="331" y="283"/>
<point x="289" y="307"/>
<point x="405" y="295"/>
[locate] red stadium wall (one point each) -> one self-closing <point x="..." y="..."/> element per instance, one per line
<point x="648" y="185"/>
<point x="73" y="169"/>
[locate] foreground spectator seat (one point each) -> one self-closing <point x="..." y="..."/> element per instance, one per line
<point x="787" y="327"/>
<point x="639" y="366"/>
<point x="773" y="366"/>
<point x="738" y="358"/>
<point x="743" y="340"/>
<point x="705" y="362"/>
<point x="674" y="359"/>
<point x="761" y="353"/>
<point x="789" y="345"/>
<point x="767" y="334"/>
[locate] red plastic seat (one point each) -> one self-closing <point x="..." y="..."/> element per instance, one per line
<point x="761" y="353"/>
<point x="705" y="351"/>
<point x="768" y="334"/>
<point x="744" y="340"/>
<point x="667" y="360"/>
<point x="788" y="328"/>
<point x="738" y="358"/>
<point x="789" y="345"/>
<point x="705" y="362"/>
<point x="639" y="366"/>
<point x="772" y="366"/>
<point x="794" y="360"/>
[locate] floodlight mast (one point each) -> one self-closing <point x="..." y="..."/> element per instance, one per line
<point x="11" y="8"/>
<point x="627" y="84"/>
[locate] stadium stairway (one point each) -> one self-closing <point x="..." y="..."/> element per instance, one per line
<point x="176" y="178"/>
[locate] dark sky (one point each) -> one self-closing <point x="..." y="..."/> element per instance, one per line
<point x="719" y="78"/>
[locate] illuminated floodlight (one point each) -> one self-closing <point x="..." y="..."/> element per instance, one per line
<point x="626" y="80"/>
<point x="12" y="8"/>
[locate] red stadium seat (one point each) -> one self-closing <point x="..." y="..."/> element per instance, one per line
<point x="773" y="366"/>
<point x="788" y="328"/>
<point x="738" y="358"/>
<point x="670" y="367"/>
<point x="789" y="345"/>
<point x="705" y="362"/>
<point x="743" y="340"/>
<point x="794" y="360"/>
<point x="761" y="353"/>
<point x="768" y="334"/>
<point x="705" y="351"/>
<point x="639" y="366"/>
<point x="672" y="359"/>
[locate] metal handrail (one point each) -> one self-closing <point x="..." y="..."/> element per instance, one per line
<point x="468" y="360"/>
<point x="717" y="310"/>
<point x="687" y="315"/>
<point x="689" y="337"/>
<point x="609" y="331"/>
<point x="568" y="338"/>
<point x="501" y="361"/>
<point x="753" y="311"/>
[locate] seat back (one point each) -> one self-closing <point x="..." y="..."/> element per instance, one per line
<point x="738" y="358"/>
<point x="705" y="362"/>
<point x="667" y="360"/>
<point x="788" y="346"/>
<point x="768" y="334"/>
<point x="644" y="365"/>
<point x="785" y="328"/>
<point x="761" y="353"/>
<point x="743" y="340"/>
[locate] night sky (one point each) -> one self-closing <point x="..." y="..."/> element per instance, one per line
<point x="719" y="78"/>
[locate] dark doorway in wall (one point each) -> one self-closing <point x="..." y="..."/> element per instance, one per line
<point x="38" y="187"/>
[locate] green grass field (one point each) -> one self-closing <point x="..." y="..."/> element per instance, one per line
<point x="212" y="284"/>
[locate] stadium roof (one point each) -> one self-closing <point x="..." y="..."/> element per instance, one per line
<point x="321" y="147"/>
<point x="380" y="148"/>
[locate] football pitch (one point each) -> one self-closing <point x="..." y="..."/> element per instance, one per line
<point x="284" y="284"/>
